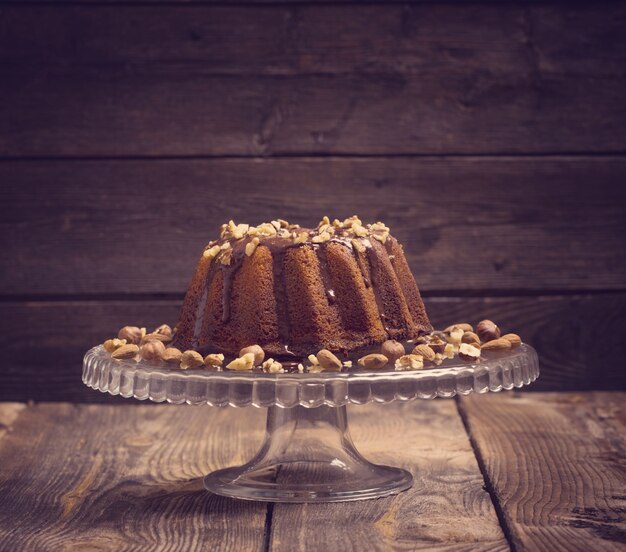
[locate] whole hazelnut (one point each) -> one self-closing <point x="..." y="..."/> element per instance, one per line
<point x="191" y="359"/>
<point x="152" y="350"/>
<point x="487" y="330"/>
<point x="163" y="329"/>
<point x="214" y="359"/>
<point x="392" y="349"/>
<point x="132" y="334"/>
<point x="155" y="337"/>
<point x="257" y="351"/>
<point x="471" y="338"/>
<point x="172" y="354"/>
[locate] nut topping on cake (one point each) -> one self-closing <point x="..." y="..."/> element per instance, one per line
<point x="514" y="339"/>
<point x="425" y="351"/>
<point x="164" y="329"/>
<point x="214" y="360"/>
<point x="272" y="366"/>
<point x="243" y="363"/>
<point x="328" y="361"/>
<point x="410" y="362"/>
<point x="111" y="345"/>
<point x="469" y="352"/>
<point x="499" y="345"/>
<point x="251" y="246"/>
<point x="464" y="326"/>
<point x="373" y="361"/>
<point x="256" y="351"/>
<point x="392" y="349"/>
<point x="433" y="347"/>
<point x="132" y="334"/>
<point x="155" y="337"/>
<point x="172" y="354"/>
<point x="191" y="359"/>
<point x="152" y="350"/>
<point x="487" y="331"/>
<point x="125" y="352"/>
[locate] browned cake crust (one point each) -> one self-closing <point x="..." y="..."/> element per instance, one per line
<point x="293" y="291"/>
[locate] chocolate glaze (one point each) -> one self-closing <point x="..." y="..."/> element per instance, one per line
<point x="360" y="261"/>
<point x="278" y="247"/>
<point x="200" y="310"/>
<point x="372" y="255"/>
<point x="320" y="251"/>
<point x="282" y="312"/>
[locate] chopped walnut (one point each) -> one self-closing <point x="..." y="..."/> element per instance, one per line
<point x="410" y="362"/>
<point x="251" y="246"/>
<point x="272" y="366"/>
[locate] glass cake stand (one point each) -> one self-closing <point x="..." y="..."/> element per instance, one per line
<point x="307" y="454"/>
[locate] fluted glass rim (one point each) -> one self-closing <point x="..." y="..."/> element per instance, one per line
<point x="146" y="381"/>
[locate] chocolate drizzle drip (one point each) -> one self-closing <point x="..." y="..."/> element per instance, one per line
<point x="374" y="261"/>
<point x="227" y="286"/>
<point x="325" y="273"/>
<point x="200" y="310"/>
<point x="278" y="246"/>
<point x="360" y="261"/>
<point x="228" y="271"/>
<point x="278" y="269"/>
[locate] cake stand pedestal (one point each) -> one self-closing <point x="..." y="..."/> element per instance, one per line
<point x="307" y="454"/>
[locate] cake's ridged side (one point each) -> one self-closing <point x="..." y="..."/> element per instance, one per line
<point x="393" y="309"/>
<point x="409" y="286"/>
<point x="355" y="300"/>
<point x="344" y="294"/>
<point x="214" y="331"/>
<point x="254" y="318"/>
<point x="192" y="312"/>
<point x="313" y="320"/>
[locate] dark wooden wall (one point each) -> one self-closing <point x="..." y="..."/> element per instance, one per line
<point x="491" y="137"/>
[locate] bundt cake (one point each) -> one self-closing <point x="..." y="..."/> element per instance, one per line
<point x="343" y="286"/>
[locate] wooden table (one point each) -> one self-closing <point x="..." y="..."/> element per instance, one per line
<point x="520" y="471"/>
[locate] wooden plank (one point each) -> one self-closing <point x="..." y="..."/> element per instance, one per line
<point x="556" y="464"/>
<point x="284" y="40"/>
<point x="170" y="80"/>
<point x="466" y="223"/>
<point x="44" y="343"/>
<point x="121" y="477"/>
<point x="446" y="509"/>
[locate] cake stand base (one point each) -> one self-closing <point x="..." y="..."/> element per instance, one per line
<point x="308" y="456"/>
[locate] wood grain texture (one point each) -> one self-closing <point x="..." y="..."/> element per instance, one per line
<point x="556" y="464"/>
<point x="383" y="79"/>
<point x="44" y="343"/>
<point x="466" y="223"/>
<point x="447" y="508"/>
<point x="126" y="477"/>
